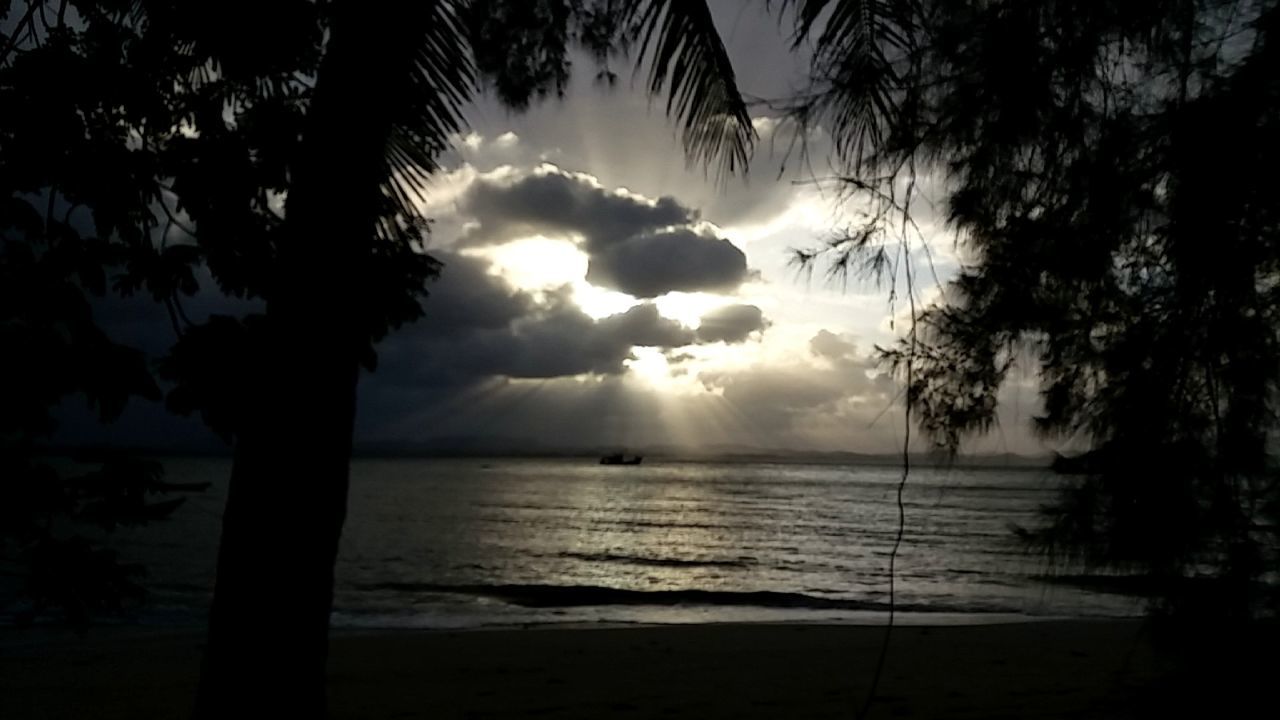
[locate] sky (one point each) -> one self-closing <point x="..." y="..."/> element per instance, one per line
<point x="598" y="291"/>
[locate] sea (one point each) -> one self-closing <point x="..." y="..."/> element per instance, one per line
<point x="475" y="542"/>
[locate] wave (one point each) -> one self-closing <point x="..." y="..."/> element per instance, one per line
<point x="550" y="596"/>
<point x="673" y="525"/>
<point x="741" y="562"/>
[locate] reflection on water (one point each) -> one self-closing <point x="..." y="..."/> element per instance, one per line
<point x="465" y="542"/>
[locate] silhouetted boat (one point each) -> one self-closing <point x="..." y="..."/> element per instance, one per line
<point x="620" y="459"/>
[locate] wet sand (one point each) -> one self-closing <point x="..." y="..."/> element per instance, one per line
<point x="1100" y="669"/>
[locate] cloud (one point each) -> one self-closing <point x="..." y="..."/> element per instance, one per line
<point x="681" y="260"/>
<point x="731" y="324"/>
<point x="813" y="400"/>
<point x="478" y="327"/>
<point x="551" y="200"/>
<point x="643" y="326"/>
<point x="619" y="139"/>
<point x="638" y="245"/>
<point x="506" y="140"/>
<point x="522" y="397"/>
<point x="467" y="297"/>
<point x="560" y="340"/>
<point x="831" y="346"/>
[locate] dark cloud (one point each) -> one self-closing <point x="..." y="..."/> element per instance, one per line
<point x="550" y="200"/>
<point x="477" y="327"/>
<point x="731" y="324"/>
<point x="558" y="339"/>
<point x="643" y="247"/>
<point x="681" y="260"/>
<point x="561" y="340"/>
<point x="467" y="297"/>
<point x="643" y="326"/>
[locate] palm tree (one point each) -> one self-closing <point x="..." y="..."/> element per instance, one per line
<point x="391" y="88"/>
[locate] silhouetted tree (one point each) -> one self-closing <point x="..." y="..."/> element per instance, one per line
<point x="66" y="153"/>
<point x="1106" y="169"/>
<point x="284" y="145"/>
<point x="54" y="513"/>
<point x="354" y="176"/>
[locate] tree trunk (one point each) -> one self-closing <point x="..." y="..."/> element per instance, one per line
<point x="268" y="627"/>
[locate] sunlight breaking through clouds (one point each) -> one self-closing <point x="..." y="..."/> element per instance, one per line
<point x="629" y="291"/>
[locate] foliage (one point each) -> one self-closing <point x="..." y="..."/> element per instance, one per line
<point x="177" y="134"/>
<point x="52" y="514"/>
<point x="158" y="142"/>
<point x="522" y="47"/>
<point x="1106" y="168"/>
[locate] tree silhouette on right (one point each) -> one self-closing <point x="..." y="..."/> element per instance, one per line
<point x="1107" y="169"/>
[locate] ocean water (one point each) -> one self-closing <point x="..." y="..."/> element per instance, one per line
<point x="446" y="543"/>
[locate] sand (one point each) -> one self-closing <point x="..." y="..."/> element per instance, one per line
<point x="1100" y="669"/>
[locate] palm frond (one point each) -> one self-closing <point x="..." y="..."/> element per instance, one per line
<point x="443" y="79"/>
<point x="688" y="60"/>
<point x="855" y="91"/>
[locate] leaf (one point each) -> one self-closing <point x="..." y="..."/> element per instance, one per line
<point x="687" y="58"/>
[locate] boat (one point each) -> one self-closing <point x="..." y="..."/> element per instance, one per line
<point x="621" y="459"/>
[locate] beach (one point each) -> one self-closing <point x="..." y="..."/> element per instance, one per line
<point x="1099" y="669"/>
<point x="555" y="589"/>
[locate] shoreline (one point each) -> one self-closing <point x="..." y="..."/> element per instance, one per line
<point x="901" y="620"/>
<point x="348" y="623"/>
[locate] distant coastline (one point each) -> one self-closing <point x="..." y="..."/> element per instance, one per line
<point x="720" y="454"/>
<point x="653" y="453"/>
